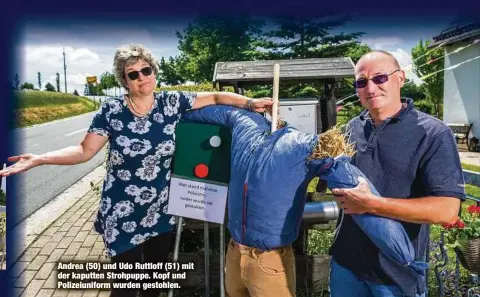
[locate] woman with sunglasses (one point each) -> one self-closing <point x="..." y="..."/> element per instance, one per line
<point x="140" y="131"/>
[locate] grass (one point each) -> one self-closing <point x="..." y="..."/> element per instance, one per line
<point x="36" y="107"/>
<point x="471" y="167"/>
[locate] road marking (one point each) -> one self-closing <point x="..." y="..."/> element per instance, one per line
<point x="35" y="145"/>
<point x="75" y="132"/>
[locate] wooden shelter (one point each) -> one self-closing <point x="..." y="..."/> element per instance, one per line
<point x="243" y="74"/>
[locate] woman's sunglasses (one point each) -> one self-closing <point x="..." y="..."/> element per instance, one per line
<point x="133" y="75"/>
<point x="378" y="79"/>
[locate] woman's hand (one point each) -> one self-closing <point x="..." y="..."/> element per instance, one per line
<point x="262" y="105"/>
<point x="23" y="163"/>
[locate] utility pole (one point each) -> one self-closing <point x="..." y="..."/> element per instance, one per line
<point x="65" y="70"/>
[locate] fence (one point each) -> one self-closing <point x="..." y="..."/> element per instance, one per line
<point x="448" y="281"/>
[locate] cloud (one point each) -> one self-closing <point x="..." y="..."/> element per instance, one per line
<point x="404" y="58"/>
<point x="382" y="43"/>
<point x="48" y="60"/>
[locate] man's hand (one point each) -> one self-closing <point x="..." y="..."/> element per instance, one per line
<point x="358" y="200"/>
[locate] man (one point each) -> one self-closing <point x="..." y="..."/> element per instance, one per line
<point x="412" y="160"/>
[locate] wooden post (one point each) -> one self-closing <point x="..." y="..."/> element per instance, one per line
<point x="329" y="105"/>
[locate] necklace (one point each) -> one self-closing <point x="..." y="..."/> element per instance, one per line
<point x="136" y="110"/>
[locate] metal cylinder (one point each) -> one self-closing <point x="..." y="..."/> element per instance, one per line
<point x="177" y="246"/>
<point x="207" y="258"/>
<point x="222" y="260"/>
<point x="320" y="212"/>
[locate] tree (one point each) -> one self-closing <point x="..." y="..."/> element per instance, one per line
<point x="27" y="86"/>
<point x="16" y="81"/>
<point x="428" y="66"/>
<point x="49" y="87"/>
<point x="169" y="73"/>
<point x="208" y="40"/>
<point x="76" y="93"/>
<point x="107" y="81"/>
<point x="58" y="82"/>
<point x="411" y="90"/>
<point x="39" y="80"/>
<point x="301" y="37"/>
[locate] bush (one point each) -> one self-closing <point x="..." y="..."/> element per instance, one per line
<point x="348" y="113"/>
<point x="3" y="198"/>
<point x="424" y="106"/>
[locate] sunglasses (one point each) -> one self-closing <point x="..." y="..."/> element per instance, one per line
<point x="146" y="71"/>
<point x="378" y="79"/>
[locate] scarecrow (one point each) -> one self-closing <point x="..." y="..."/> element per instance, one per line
<point x="270" y="172"/>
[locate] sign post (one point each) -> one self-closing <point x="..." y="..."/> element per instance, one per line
<point x="199" y="185"/>
<point x="92" y="80"/>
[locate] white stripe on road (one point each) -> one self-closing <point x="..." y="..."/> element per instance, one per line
<point x="75" y="132"/>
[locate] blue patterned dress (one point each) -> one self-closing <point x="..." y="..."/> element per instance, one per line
<point x="134" y="198"/>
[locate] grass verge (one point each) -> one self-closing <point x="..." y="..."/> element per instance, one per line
<point x="37" y="107"/>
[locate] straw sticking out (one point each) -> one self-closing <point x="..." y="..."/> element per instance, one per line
<point x="332" y="143"/>
<point x="276" y="81"/>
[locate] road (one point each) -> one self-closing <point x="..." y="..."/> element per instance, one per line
<point x="41" y="184"/>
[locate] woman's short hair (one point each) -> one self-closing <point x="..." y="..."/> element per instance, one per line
<point x="129" y="54"/>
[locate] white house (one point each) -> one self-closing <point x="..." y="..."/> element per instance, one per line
<point x="461" y="95"/>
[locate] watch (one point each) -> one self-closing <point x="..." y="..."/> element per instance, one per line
<point x="250" y="104"/>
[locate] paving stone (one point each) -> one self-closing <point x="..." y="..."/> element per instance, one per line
<point x="81" y="235"/>
<point x="48" y="249"/>
<point x="24" y="278"/>
<point x="56" y="255"/>
<point x="45" y="293"/>
<point x="73" y="231"/>
<point x="51" y="231"/>
<point x="90" y="240"/>
<point x="82" y="254"/>
<point x="41" y="241"/>
<point x="65" y="243"/>
<point x="33" y="287"/>
<point x="37" y="263"/>
<point x="45" y="271"/>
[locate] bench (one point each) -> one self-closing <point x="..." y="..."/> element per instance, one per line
<point x="461" y="132"/>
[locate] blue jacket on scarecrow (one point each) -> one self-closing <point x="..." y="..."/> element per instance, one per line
<point x="270" y="173"/>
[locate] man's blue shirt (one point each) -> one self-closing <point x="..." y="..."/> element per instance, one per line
<point x="409" y="155"/>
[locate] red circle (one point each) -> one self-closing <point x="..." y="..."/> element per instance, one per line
<point x="201" y="170"/>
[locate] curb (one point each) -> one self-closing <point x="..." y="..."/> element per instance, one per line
<point x="35" y="225"/>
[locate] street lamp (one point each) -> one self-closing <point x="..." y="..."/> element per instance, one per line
<point x="65" y="70"/>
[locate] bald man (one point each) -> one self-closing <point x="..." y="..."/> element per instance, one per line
<point x="412" y="159"/>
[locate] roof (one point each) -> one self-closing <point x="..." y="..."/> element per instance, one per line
<point x="457" y="32"/>
<point x="294" y="69"/>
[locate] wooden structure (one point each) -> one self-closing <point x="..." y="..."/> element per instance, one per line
<point x="243" y="74"/>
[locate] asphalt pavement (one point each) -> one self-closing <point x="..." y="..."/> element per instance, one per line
<point x="41" y="184"/>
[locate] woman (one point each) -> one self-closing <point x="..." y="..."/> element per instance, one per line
<point x="140" y="131"/>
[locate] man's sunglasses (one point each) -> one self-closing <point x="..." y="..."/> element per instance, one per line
<point x="133" y="75"/>
<point x="377" y="79"/>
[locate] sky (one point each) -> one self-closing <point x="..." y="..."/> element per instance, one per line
<point x="90" y="46"/>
